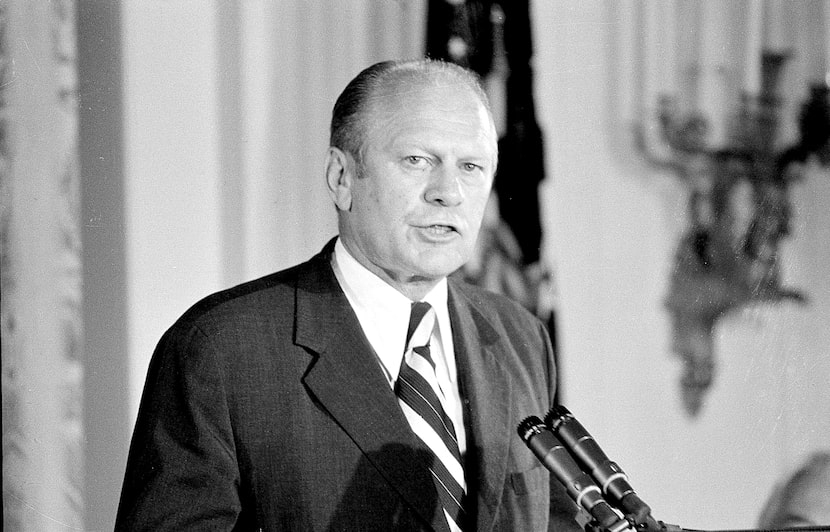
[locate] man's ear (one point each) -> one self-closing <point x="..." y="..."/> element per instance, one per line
<point x="340" y="176"/>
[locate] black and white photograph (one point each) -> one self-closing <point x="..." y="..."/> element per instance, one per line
<point x="415" y="265"/>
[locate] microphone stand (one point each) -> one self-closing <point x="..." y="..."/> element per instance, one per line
<point x="659" y="526"/>
<point x="810" y="528"/>
<point x="652" y="525"/>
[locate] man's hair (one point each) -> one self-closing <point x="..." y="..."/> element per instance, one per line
<point x="351" y="114"/>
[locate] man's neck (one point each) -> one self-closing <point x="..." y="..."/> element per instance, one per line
<point x="415" y="288"/>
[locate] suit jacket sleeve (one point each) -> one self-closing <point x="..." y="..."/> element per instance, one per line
<point x="181" y="470"/>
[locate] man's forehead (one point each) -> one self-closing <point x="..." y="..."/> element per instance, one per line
<point x="417" y="115"/>
<point x="415" y="89"/>
<point x="450" y="98"/>
<point x="418" y="99"/>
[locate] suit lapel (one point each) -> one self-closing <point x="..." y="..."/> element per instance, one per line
<point x="348" y="382"/>
<point x="487" y="386"/>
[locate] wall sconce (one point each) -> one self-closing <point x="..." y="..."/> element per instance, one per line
<point x="738" y="206"/>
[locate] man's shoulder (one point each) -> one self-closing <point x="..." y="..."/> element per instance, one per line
<point x="269" y="295"/>
<point x="491" y="304"/>
<point x="481" y="297"/>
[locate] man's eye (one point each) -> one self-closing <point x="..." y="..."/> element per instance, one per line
<point x="470" y="167"/>
<point x="416" y="160"/>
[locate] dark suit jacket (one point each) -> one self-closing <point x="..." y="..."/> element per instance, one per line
<point x="265" y="407"/>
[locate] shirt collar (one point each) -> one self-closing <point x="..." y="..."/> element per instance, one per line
<point x="382" y="311"/>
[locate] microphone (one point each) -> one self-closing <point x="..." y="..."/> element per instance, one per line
<point x="553" y="455"/>
<point x="606" y="473"/>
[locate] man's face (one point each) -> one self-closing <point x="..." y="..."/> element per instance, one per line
<point x="414" y="211"/>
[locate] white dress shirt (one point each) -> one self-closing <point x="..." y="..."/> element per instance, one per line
<point x="383" y="313"/>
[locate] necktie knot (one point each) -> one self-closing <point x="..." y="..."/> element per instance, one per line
<point x="421" y="324"/>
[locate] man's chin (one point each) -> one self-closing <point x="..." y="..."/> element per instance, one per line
<point x="437" y="270"/>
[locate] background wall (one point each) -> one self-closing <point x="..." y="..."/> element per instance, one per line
<point x="202" y="132"/>
<point x="614" y="222"/>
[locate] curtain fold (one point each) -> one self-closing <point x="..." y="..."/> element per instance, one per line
<point x="41" y="269"/>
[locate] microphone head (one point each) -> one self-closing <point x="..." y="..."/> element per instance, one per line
<point x="557" y="415"/>
<point x="529" y="427"/>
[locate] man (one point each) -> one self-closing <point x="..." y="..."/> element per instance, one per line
<point x="283" y="404"/>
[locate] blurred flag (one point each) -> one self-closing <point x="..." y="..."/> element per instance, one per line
<point x="493" y="38"/>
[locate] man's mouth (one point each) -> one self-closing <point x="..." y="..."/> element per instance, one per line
<point x="439" y="229"/>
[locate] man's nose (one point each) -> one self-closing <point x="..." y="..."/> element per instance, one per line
<point x="445" y="186"/>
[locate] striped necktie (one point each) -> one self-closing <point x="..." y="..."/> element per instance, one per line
<point x="418" y="394"/>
